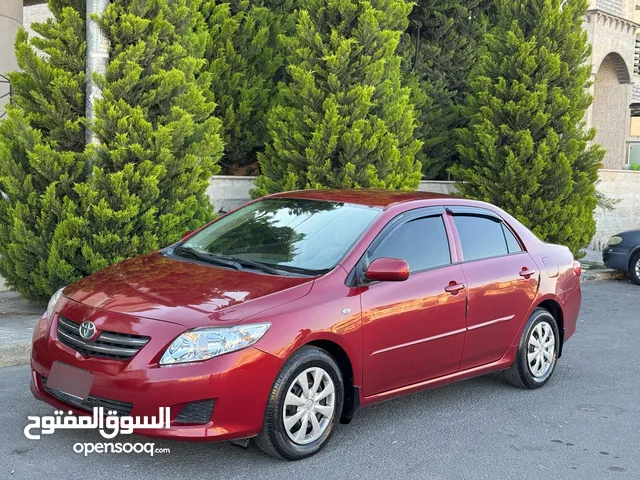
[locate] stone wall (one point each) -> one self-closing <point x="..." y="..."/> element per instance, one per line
<point x="611" y="113"/>
<point x="624" y="186"/>
<point x="10" y="21"/>
<point x="35" y="13"/>
<point x="229" y="192"/>
<point x="612" y="32"/>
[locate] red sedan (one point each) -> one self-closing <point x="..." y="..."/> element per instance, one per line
<point x="282" y="318"/>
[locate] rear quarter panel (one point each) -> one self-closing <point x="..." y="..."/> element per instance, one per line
<point x="559" y="283"/>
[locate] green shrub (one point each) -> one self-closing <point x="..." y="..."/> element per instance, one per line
<point x="160" y="144"/>
<point x="440" y="48"/>
<point x="41" y="148"/>
<point x="342" y="119"/>
<point x="527" y="149"/>
<point x="243" y="57"/>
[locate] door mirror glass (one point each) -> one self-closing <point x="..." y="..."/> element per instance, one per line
<point x="388" y="270"/>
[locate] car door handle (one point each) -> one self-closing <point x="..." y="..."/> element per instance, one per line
<point x="526" y="273"/>
<point x="453" y="288"/>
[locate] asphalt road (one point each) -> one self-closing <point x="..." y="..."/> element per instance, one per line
<point x="585" y="424"/>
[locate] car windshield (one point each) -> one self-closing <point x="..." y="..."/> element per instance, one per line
<point x="292" y="235"/>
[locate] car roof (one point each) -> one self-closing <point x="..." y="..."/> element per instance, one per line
<point x="363" y="196"/>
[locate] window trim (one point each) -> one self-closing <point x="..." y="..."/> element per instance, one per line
<point x="508" y="229"/>
<point x="460" y="211"/>
<point x="356" y="275"/>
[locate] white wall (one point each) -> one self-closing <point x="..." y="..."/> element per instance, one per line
<point x="623" y="185"/>
<point x="229" y="192"/>
<point x="10" y="21"/>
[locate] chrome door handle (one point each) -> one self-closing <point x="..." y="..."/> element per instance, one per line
<point x="526" y="273"/>
<point x="453" y="288"/>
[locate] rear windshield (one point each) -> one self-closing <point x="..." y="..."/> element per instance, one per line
<point x="300" y="235"/>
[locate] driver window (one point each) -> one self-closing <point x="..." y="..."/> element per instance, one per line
<point x="422" y="243"/>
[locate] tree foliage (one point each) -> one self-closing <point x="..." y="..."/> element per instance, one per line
<point x="159" y="143"/>
<point x="41" y="148"/>
<point x="526" y="148"/>
<point x="440" y="48"/>
<point x="243" y="57"/>
<point x="343" y="119"/>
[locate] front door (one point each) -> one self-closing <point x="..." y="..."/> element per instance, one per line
<point x="413" y="330"/>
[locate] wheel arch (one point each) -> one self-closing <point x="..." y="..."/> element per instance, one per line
<point x="554" y="308"/>
<point x="351" y="392"/>
<point x="632" y="254"/>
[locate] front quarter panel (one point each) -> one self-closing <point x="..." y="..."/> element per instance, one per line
<point x="330" y="312"/>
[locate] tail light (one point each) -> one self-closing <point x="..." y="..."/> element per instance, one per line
<point x="577" y="268"/>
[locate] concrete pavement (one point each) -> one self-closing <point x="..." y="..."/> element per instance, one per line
<point x="584" y="424"/>
<point x="17" y="321"/>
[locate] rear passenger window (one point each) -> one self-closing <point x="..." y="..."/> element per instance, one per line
<point x="422" y="243"/>
<point x="481" y="237"/>
<point x="512" y="242"/>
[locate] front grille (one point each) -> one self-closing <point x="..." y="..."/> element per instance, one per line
<point x="196" y="412"/>
<point x="122" y="408"/>
<point x="118" y="346"/>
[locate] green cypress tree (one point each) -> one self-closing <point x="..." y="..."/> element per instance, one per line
<point x="526" y="148"/>
<point x="342" y="119"/>
<point x="160" y="142"/>
<point x="440" y="49"/>
<point x="41" y="148"/>
<point x="243" y="59"/>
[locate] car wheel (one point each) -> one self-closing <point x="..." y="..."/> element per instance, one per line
<point x="537" y="352"/>
<point x="634" y="268"/>
<point x="304" y="405"/>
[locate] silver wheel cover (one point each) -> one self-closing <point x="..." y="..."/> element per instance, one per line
<point x="309" y="406"/>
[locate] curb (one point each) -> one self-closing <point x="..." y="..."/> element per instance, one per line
<point x="601" y="274"/>
<point x="13" y="354"/>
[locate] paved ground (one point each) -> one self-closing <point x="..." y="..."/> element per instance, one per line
<point x="17" y="321"/>
<point x="584" y="424"/>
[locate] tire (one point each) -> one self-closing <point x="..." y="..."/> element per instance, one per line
<point x="634" y="269"/>
<point x="522" y="374"/>
<point x="291" y="443"/>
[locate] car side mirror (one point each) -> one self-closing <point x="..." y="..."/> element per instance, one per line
<point x="388" y="270"/>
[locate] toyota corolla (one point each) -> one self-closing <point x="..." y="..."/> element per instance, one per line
<point x="282" y="318"/>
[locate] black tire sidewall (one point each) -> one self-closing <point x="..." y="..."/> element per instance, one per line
<point x="312" y="357"/>
<point x="632" y="268"/>
<point x="529" y="379"/>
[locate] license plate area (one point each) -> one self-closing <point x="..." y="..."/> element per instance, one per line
<point x="70" y="380"/>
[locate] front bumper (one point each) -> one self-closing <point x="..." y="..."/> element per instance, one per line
<point x="617" y="259"/>
<point x="239" y="383"/>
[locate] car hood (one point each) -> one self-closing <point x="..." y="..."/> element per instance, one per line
<point x="191" y="294"/>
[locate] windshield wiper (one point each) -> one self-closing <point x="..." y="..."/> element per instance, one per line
<point x="263" y="267"/>
<point x="206" y="257"/>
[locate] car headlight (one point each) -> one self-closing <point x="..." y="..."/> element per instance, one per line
<point x="615" y="240"/>
<point x="208" y="342"/>
<point x="53" y="302"/>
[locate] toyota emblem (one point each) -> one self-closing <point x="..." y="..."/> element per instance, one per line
<point x="87" y="330"/>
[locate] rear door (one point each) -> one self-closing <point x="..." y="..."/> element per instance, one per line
<point x="502" y="281"/>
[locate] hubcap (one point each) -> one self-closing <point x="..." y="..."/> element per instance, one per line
<point x="309" y="405"/>
<point x="541" y="351"/>
<point x="638" y="268"/>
